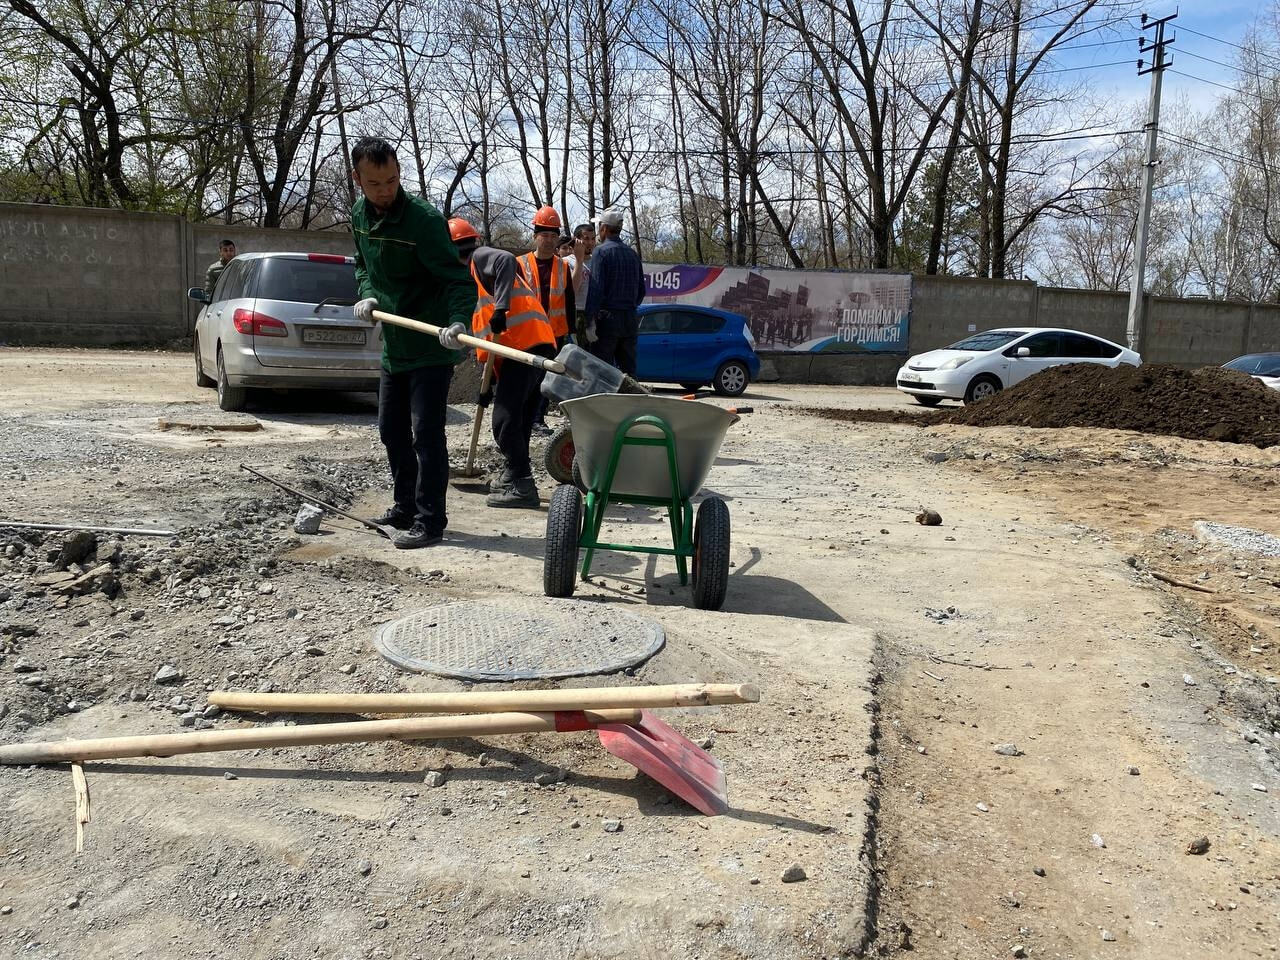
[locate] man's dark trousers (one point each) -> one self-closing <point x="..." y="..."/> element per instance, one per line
<point x="515" y="406"/>
<point x="411" y="413"/>
<point x="617" y="350"/>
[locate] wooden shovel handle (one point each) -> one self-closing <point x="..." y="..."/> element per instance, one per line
<point x="501" y="349"/>
<point x="486" y="378"/>
<point x="597" y="698"/>
<point x="362" y="731"/>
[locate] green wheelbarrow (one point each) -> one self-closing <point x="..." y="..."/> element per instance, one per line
<point x="650" y="451"/>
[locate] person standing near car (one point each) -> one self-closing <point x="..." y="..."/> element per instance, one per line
<point x="614" y="289"/>
<point x="406" y="264"/>
<point x="508" y="311"/>
<point x="226" y="253"/>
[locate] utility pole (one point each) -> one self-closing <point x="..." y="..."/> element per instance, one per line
<point x="1156" y="68"/>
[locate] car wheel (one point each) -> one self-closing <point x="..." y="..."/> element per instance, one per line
<point x="731" y="379"/>
<point x="981" y="388"/>
<point x="201" y="379"/>
<point x="927" y="401"/>
<point x="229" y="398"/>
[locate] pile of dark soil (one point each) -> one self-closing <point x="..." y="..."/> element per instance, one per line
<point x="1205" y="404"/>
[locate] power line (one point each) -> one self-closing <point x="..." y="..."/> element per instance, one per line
<point x="1067" y="136"/>
<point x="1222" y="154"/>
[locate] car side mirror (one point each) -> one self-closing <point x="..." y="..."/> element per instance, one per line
<point x="1022" y="352"/>
<point x="197" y="294"/>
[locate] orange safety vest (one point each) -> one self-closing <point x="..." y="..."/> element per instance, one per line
<point x="527" y="325"/>
<point x="557" y="311"/>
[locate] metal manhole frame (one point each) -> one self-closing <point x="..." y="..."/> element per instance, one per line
<point x="652" y="637"/>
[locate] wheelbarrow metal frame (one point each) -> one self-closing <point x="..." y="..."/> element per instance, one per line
<point x="679" y="509"/>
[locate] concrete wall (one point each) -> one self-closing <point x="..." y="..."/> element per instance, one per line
<point x="73" y="275"/>
<point x="1092" y="311"/>
<point x="81" y="276"/>
<point x="946" y="309"/>
<point x="88" y="277"/>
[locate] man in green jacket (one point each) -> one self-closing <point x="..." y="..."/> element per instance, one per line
<point x="406" y="264"/>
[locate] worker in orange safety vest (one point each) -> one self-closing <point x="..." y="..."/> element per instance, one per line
<point x="549" y="275"/>
<point x="508" y="311"/>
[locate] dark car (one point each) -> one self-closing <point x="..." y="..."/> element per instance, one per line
<point x="1260" y="366"/>
<point x="694" y="346"/>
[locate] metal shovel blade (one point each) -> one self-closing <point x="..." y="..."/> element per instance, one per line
<point x="584" y="376"/>
<point x="664" y="754"/>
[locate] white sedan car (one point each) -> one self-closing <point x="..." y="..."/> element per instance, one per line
<point x="1260" y="366"/>
<point x="985" y="363"/>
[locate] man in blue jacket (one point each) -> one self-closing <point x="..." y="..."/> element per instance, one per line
<point x="614" y="290"/>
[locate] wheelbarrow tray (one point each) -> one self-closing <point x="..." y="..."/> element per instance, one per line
<point x="698" y="428"/>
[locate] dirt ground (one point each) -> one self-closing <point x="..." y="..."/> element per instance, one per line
<point x="894" y="659"/>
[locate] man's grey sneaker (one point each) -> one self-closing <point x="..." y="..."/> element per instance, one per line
<point x="394" y="518"/>
<point x="417" y="536"/>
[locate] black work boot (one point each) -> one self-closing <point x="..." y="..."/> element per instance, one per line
<point x="417" y="536"/>
<point x="519" y="493"/>
<point x="395" y="517"/>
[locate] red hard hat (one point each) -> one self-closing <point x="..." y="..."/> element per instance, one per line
<point x="547" y="218"/>
<point x="460" y="230"/>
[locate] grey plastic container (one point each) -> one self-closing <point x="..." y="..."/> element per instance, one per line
<point x="699" y="429"/>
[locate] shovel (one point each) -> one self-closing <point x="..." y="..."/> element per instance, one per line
<point x="573" y="373"/>
<point x="471" y="470"/>
<point x="636" y="736"/>
<point x="389" y="532"/>
<point x="665" y="754"/>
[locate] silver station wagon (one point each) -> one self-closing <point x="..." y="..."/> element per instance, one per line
<point x="284" y="321"/>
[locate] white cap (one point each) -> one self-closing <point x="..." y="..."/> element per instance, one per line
<point x="610" y="218"/>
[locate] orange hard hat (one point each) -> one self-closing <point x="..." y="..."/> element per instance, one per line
<point x="460" y="230"/>
<point x="547" y="218"/>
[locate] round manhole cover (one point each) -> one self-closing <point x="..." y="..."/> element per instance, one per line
<point x="518" y="639"/>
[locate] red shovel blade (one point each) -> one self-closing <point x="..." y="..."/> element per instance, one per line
<point x="668" y="756"/>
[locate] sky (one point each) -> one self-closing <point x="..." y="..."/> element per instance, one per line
<point x="1193" y="73"/>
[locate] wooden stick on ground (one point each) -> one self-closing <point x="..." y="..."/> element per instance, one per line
<point x="130" y="531"/>
<point x="1174" y="581"/>
<point x="363" y="731"/>
<point x="82" y="803"/>
<point x="591" y="698"/>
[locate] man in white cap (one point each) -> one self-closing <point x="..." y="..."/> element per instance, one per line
<point x="615" y="288"/>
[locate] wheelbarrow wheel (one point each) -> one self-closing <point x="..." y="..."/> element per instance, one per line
<point x="560" y="558"/>
<point x="577" y="475"/>
<point x="558" y="457"/>
<point x="711" y="554"/>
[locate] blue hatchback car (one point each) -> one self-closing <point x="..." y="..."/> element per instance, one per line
<point x="694" y="346"/>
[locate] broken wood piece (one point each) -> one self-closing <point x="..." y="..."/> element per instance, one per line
<point x="591" y="698"/>
<point x="82" y="803"/>
<point x="72" y="585"/>
<point x="252" y="426"/>
<point x="934" y="676"/>
<point x="975" y="666"/>
<point x="129" y="531"/>
<point x="362" y="731"/>
<point x="1174" y="581"/>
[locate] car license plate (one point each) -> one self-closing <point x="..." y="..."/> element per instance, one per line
<point x="910" y="377"/>
<point x="331" y="335"/>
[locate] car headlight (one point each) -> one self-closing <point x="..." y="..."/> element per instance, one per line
<point x="955" y="362"/>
